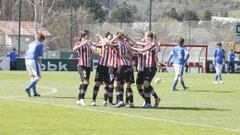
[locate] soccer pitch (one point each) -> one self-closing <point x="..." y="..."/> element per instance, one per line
<point x="204" y="109"/>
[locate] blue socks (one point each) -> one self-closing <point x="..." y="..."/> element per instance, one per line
<point x="216" y="77"/>
<point x="183" y="84"/>
<point x="175" y="85"/>
<point x="34" y="89"/>
<point x="32" y="85"/>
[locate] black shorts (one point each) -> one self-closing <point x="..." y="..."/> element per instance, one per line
<point x="149" y="73"/>
<point x="140" y="77"/>
<point x="102" y="74"/>
<point x="125" y="74"/>
<point x="84" y="72"/>
<point x="112" y="74"/>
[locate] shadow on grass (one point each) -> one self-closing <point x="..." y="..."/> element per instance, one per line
<point x="185" y="108"/>
<point x="211" y="91"/>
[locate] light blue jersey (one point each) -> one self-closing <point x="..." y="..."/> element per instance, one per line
<point x="35" y="50"/>
<point x="180" y="55"/>
<point x="219" y="56"/>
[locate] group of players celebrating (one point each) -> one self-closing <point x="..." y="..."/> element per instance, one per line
<point x="115" y="65"/>
<point x="114" y="68"/>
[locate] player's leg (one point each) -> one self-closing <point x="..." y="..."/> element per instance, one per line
<point x="98" y="80"/>
<point x="129" y="78"/>
<point x="106" y="80"/>
<point x="147" y="91"/>
<point x="220" y="73"/>
<point x="152" y="72"/>
<point x="129" y="96"/>
<point x="29" y="70"/>
<point x="105" y="94"/>
<point x="229" y="67"/>
<point x="110" y="94"/>
<point x="112" y="74"/>
<point x="119" y="93"/>
<point x="34" y="70"/>
<point x="233" y="67"/>
<point x="175" y="81"/>
<point x="120" y="88"/>
<point x="85" y="74"/>
<point x="37" y="78"/>
<point x="217" y="74"/>
<point x="139" y="82"/>
<point x="181" y="78"/>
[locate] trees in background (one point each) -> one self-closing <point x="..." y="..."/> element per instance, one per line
<point x="121" y="15"/>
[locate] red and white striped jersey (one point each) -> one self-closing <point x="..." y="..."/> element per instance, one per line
<point x="123" y="50"/>
<point x="151" y="55"/>
<point x="84" y="53"/>
<point x="104" y="56"/>
<point x="141" y="62"/>
<point x="113" y="57"/>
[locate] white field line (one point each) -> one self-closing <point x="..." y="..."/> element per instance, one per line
<point x="53" y="90"/>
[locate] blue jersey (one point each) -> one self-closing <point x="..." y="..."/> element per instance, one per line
<point x="13" y="56"/>
<point x="180" y="55"/>
<point x="35" y="50"/>
<point x="231" y="57"/>
<point x="219" y="56"/>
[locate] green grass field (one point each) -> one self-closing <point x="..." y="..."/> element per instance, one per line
<point x="205" y="109"/>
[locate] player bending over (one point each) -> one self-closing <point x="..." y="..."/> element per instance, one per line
<point x="180" y="54"/>
<point x="33" y="59"/>
<point x="218" y="61"/>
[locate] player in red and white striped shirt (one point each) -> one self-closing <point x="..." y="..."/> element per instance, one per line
<point x="125" y="74"/>
<point x="84" y="48"/>
<point x="106" y="58"/>
<point x="113" y="63"/>
<point x="102" y="71"/>
<point x="150" y="51"/>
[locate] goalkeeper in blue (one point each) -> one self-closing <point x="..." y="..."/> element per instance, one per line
<point x="180" y="55"/>
<point x="218" y="61"/>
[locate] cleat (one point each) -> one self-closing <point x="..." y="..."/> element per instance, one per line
<point x="130" y="105"/>
<point x="221" y="82"/>
<point x="157" y="102"/>
<point x="81" y="102"/>
<point x="174" y="90"/>
<point x="37" y="95"/>
<point x="28" y="92"/>
<point x="104" y="103"/>
<point x="93" y="103"/>
<point x="215" y="82"/>
<point x="119" y="104"/>
<point x="110" y="105"/>
<point x="148" y="106"/>
<point x="185" y="88"/>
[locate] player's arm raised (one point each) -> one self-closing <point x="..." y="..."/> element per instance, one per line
<point x="78" y="45"/>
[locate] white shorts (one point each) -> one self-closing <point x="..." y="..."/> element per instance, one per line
<point x="218" y="68"/>
<point x="33" y="67"/>
<point x="179" y="69"/>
